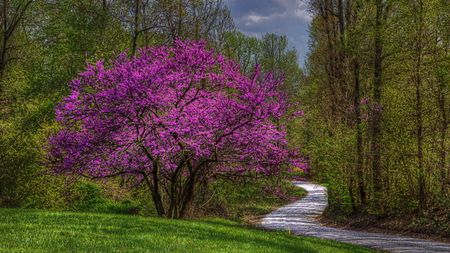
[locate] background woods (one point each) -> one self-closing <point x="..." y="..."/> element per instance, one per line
<point x="45" y="44"/>
<point x="376" y="98"/>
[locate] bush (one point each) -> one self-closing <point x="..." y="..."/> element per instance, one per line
<point x="246" y="200"/>
<point x="89" y="197"/>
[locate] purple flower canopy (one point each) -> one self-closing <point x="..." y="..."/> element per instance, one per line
<point x="171" y="108"/>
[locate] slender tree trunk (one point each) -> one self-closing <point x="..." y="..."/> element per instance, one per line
<point x="351" y="192"/>
<point x="419" y="117"/>
<point x="173" y="205"/>
<point x="174" y="198"/>
<point x="135" y="33"/>
<point x="359" y="139"/>
<point x="445" y="173"/>
<point x="9" y="21"/>
<point x="188" y="194"/>
<point x="180" y="19"/>
<point x="341" y="21"/>
<point x="376" y="110"/>
<point x="3" y="55"/>
<point x="342" y="56"/>
<point x="331" y="60"/>
<point x="4" y="38"/>
<point x="153" y="186"/>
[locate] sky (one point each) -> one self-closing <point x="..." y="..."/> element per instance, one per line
<point x="282" y="17"/>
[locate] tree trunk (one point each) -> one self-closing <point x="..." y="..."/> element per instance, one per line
<point x="180" y="19"/>
<point x="331" y="61"/>
<point x="341" y="21"/>
<point x="188" y="194"/>
<point x="4" y="38"/>
<point x="445" y="173"/>
<point x="376" y="110"/>
<point x="419" y="117"/>
<point x="351" y="182"/>
<point x="359" y="140"/>
<point x="135" y="34"/>
<point x="173" y="205"/>
<point x="9" y="21"/>
<point x="3" y="59"/>
<point x="153" y="186"/>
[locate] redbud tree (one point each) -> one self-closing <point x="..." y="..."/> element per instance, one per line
<point x="171" y="118"/>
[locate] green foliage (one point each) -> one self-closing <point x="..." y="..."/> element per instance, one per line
<point x="50" y="49"/>
<point x="23" y="129"/>
<point x="327" y="150"/>
<point x="51" y="44"/>
<point x="26" y="230"/>
<point x="89" y="197"/>
<point x="271" y="52"/>
<point x="246" y="200"/>
<point x="403" y="55"/>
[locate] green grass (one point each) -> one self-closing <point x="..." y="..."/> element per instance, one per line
<point x="44" y="231"/>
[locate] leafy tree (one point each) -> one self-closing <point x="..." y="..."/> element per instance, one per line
<point x="171" y="118"/>
<point x="376" y="123"/>
<point x="271" y="52"/>
<point x="45" y="44"/>
<point x="12" y="14"/>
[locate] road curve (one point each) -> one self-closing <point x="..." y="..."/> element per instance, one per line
<point x="300" y="218"/>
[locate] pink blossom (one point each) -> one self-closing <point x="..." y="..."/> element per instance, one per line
<point x="180" y="108"/>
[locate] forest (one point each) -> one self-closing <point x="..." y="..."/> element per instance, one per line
<point x="372" y="99"/>
<point x="376" y="101"/>
<point x="47" y="43"/>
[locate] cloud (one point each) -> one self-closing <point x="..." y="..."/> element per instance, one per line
<point x="255" y="18"/>
<point x="283" y="17"/>
<point x="270" y="10"/>
<point x="296" y="8"/>
<point x="302" y="12"/>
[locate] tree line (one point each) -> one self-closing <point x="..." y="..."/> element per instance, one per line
<point x="44" y="45"/>
<point x="377" y="105"/>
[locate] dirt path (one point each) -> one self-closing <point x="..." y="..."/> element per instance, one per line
<point x="300" y="218"/>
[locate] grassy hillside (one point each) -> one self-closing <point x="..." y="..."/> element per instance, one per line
<point x="43" y="231"/>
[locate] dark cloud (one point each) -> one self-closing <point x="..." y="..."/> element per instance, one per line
<point x="283" y="17"/>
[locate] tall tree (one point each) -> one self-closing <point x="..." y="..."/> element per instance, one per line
<point x="208" y="122"/>
<point x="375" y="127"/>
<point x="11" y="14"/>
<point x="417" y="52"/>
<point x="392" y="57"/>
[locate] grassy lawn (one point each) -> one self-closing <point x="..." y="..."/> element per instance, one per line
<point x="43" y="231"/>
